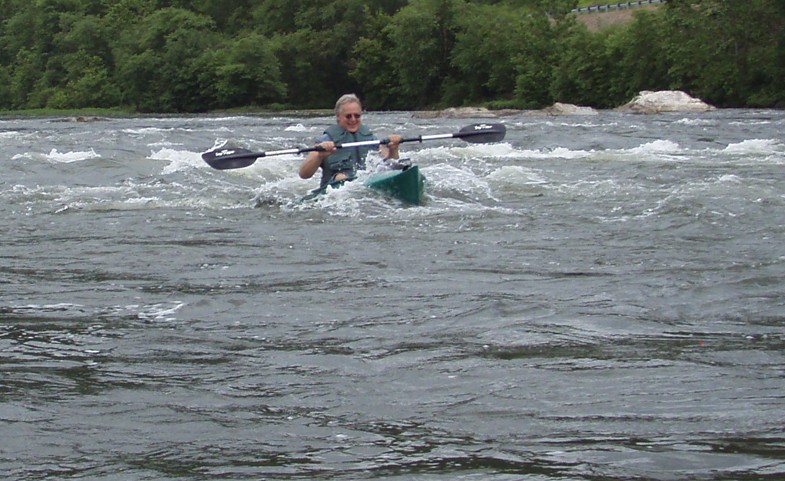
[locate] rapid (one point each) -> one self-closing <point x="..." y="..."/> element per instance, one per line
<point x="594" y="298"/>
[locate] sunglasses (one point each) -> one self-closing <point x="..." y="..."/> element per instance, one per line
<point x="352" y="116"/>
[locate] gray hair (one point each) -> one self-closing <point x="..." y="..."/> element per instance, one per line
<point x="346" y="99"/>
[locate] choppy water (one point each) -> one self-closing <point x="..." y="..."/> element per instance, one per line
<point x="596" y="298"/>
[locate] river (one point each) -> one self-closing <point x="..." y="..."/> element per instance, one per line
<point x="594" y="298"/>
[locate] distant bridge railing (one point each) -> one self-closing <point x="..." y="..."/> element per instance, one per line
<point x="615" y="6"/>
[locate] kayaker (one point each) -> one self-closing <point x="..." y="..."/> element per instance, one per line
<point x="342" y="164"/>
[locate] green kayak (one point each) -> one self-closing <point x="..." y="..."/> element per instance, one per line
<point x="406" y="185"/>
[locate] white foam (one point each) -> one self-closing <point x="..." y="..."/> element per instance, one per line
<point x="657" y="147"/>
<point x="161" y="312"/>
<point x="297" y="128"/>
<point x="516" y="175"/>
<point x="755" y="146"/>
<point x="68" y="157"/>
<point x="145" y="130"/>
<point x="500" y="150"/>
<point x="584" y="124"/>
<point x="696" y="122"/>
<point x="556" y="153"/>
<point x="179" y="160"/>
<point x="448" y="178"/>
<point x="13" y="135"/>
<point x="729" y="179"/>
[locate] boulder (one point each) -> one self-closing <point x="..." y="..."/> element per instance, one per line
<point x="457" y="113"/>
<point x="568" y="109"/>
<point x="647" y="102"/>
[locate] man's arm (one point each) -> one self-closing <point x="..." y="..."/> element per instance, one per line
<point x="314" y="159"/>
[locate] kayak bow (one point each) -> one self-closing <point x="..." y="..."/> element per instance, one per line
<point x="405" y="185"/>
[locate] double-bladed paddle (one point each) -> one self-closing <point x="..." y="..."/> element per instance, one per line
<point x="236" y="158"/>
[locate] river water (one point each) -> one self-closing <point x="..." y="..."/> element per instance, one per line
<point x="594" y="298"/>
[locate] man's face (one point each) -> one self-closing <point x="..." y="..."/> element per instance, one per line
<point x="349" y="116"/>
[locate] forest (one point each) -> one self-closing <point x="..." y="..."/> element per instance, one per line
<point x="190" y="56"/>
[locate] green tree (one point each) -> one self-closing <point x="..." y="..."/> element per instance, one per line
<point x="126" y="13"/>
<point x="725" y="51"/>
<point x="315" y="47"/>
<point x="26" y="39"/>
<point x="87" y="83"/>
<point x="371" y="66"/>
<point x="766" y="78"/>
<point x="271" y="17"/>
<point x="487" y="44"/>
<point x="192" y="55"/>
<point x="422" y="37"/>
<point x="230" y="16"/>
<point x="583" y="67"/>
<point x="24" y="75"/>
<point x="639" y="56"/>
<point x="6" y="99"/>
<point x="160" y="61"/>
<point x="534" y="62"/>
<point x="79" y="71"/>
<point x="245" y="71"/>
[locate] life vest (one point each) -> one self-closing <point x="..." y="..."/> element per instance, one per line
<point x="345" y="160"/>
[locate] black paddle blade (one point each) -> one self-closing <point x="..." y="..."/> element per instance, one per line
<point x="230" y="158"/>
<point x="482" y="133"/>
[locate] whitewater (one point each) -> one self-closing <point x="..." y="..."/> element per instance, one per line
<point x="595" y="297"/>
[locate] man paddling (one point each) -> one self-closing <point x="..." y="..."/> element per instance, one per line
<point x="342" y="164"/>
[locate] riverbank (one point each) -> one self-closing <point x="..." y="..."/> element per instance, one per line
<point x="644" y="102"/>
<point x="77" y="115"/>
<point x="90" y="115"/>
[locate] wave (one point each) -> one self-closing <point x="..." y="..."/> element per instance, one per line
<point x="657" y="147"/>
<point x="157" y="312"/>
<point x="695" y="122"/>
<point x="15" y="135"/>
<point x="179" y="160"/>
<point x="755" y="146"/>
<point x="59" y="157"/>
<point x="518" y="175"/>
<point x="298" y="128"/>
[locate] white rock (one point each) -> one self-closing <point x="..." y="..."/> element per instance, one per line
<point x="647" y="102"/>
<point x="569" y="109"/>
<point x="464" y="112"/>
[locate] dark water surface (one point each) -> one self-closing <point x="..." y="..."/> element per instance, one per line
<point x="596" y="298"/>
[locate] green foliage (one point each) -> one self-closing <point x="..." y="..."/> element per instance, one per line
<point x="24" y="75"/>
<point x="314" y="45"/>
<point x="486" y="46"/>
<point x="371" y="69"/>
<point x="160" y="60"/>
<point x="245" y="71"/>
<point x="196" y="55"/>
<point x="726" y="51"/>
<point x="534" y="62"/>
<point x="275" y="16"/>
<point x="87" y="83"/>
<point x="639" y="58"/>
<point x="5" y="87"/>
<point x="582" y="69"/>
<point x="422" y="36"/>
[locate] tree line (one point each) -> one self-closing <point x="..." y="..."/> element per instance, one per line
<point x="203" y="55"/>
